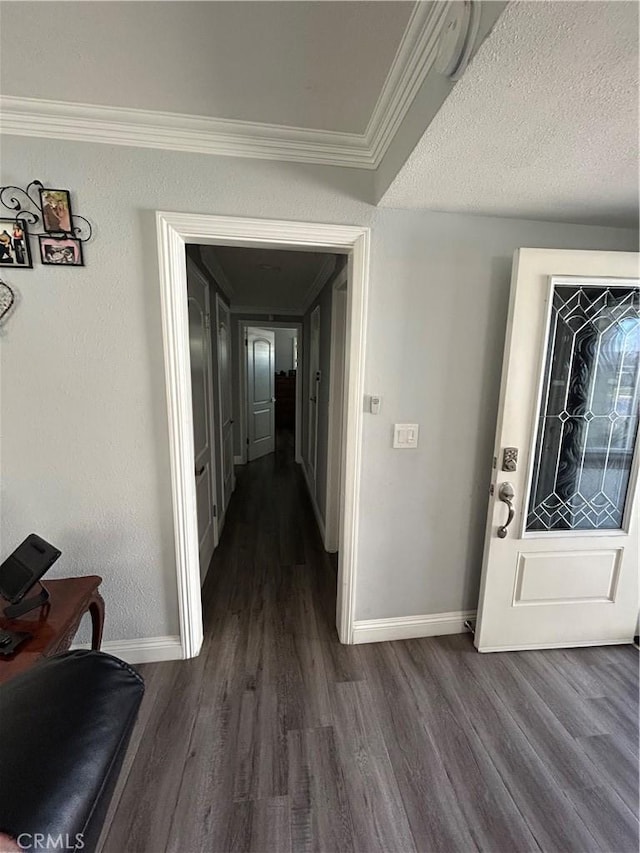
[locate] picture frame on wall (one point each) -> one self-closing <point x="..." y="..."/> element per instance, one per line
<point x="56" y="251"/>
<point x="56" y="210"/>
<point x="15" y="251"/>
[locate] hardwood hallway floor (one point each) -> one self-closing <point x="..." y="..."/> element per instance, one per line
<point x="277" y="738"/>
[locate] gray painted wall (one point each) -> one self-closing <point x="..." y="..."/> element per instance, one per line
<point x="85" y="457"/>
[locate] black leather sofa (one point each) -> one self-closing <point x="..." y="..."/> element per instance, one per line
<point x="64" y="729"/>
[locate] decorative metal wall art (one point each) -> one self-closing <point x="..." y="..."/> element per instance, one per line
<point x="7" y="301"/>
<point x="37" y="205"/>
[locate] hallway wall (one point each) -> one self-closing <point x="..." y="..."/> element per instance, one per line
<point x="85" y="453"/>
<point x="324" y="300"/>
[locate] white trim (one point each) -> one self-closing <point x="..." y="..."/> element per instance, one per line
<point x="140" y="128"/>
<point x="336" y="417"/>
<point x="413" y="61"/>
<point x="314" y="502"/>
<point x="411" y="627"/>
<point x="180" y="132"/>
<point x="143" y="650"/>
<point x="175" y="336"/>
<point x="322" y="277"/>
<point x="174" y="231"/>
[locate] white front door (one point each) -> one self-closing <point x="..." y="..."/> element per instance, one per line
<point x="314" y="389"/>
<point x="201" y="373"/>
<point x="223" y="326"/>
<point x="561" y="549"/>
<point x="261" y="347"/>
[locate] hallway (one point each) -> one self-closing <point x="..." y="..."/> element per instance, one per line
<point x="277" y="738"/>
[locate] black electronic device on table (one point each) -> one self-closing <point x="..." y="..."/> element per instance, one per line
<point x="22" y="570"/>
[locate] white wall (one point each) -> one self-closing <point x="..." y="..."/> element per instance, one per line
<point x="284" y="349"/>
<point x="85" y="458"/>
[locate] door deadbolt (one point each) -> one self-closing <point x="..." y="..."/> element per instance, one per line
<point x="510" y="459"/>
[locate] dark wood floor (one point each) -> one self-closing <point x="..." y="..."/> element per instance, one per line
<point x="277" y="738"/>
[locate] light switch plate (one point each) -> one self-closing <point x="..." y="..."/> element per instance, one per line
<point x="405" y="436"/>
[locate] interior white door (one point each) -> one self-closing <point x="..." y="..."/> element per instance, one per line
<point x="223" y="326"/>
<point x="261" y="347"/>
<point x="561" y="564"/>
<point x="201" y="398"/>
<point x="314" y="389"/>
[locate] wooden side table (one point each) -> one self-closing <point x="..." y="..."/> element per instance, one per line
<point x="54" y="625"/>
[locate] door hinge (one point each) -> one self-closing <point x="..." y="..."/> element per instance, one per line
<point x="246" y="342"/>
<point x="492" y="489"/>
<point x="495" y="462"/>
<point x="247" y="441"/>
<point x="207" y="321"/>
<point x="215" y="511"/>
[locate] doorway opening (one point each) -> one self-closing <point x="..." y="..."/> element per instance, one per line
<point x="351" y="244"/>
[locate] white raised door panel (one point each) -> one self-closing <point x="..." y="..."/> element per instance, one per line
<point x="201" y="400"/>
<point x="564" y="572"/>
<point x="261" y="349"/>
<point x="223" y="337"/>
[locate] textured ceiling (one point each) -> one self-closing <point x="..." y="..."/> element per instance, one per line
<point x="543" y="125"/>
<point x="283" y="286"/>
<point x="315" y="65"/>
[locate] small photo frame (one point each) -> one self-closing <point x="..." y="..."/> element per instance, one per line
<point x="60" y="250"/>
<point x="56" y="210"/>
<point x="15" y="251"/>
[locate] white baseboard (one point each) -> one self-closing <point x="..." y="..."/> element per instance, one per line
<point x="411" y="627"/>
<point x="144" y="650"/>
<point x="314" y="503"/>
<point x="238" y="460"/>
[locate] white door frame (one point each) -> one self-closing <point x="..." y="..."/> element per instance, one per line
<point x="335" y="460"/>
<point x="174" y="231"/>
<point x="243" y="325"/>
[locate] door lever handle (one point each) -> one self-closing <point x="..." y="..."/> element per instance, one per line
<point x="200" y="471"/>
<point x="506" y="494"/>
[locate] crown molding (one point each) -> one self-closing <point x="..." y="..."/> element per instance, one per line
<point x="35" y="117"/>
<point x="414" y="59"/>
<point x="178" y="132"/>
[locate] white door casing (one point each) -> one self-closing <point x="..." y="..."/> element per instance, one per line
<point x="545" y="588"/>
<point x="174" y="230"/>
<point x="314" y="390"/>
<point x="202" y="412"/>
<point x="225" y="426"/>
<point x="261" y="347"/>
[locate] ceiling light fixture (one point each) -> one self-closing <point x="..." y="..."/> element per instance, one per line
<point x="458" y="38"/>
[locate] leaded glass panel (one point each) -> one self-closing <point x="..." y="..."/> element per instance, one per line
<point x="588" y="419"/>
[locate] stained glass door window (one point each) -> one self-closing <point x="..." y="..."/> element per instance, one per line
<point x="588" y="420"/>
